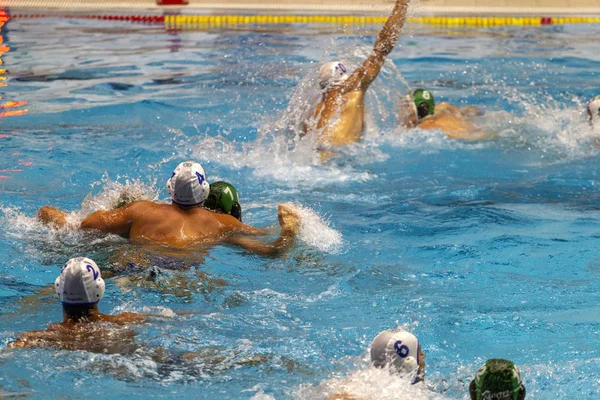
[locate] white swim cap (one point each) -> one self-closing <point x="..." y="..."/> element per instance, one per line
<point x="593" y="109"/>
<point x="188" y="186"/>
<point x="80" y="282"/>
<point x="399" y="349"/>
<point x="332" y="73"/>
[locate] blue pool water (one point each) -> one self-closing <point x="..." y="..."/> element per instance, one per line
<point x="482" y="249"/>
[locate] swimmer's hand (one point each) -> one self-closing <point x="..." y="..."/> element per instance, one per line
<point x="52" y="216"/>
<point x="288" y="219"/>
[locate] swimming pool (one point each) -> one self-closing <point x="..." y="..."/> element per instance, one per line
<point x="483" y="249"/>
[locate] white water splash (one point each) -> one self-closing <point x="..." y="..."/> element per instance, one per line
<point x="368" y="383"/>
<point x="316" y="232"/>
<point x="115" y="194"/>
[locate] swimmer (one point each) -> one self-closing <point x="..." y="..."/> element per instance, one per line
<point x="338" y="118"/>
<point x="399" y="352"/>
<point x="497" y="379"/>
<point x="185" y="222"/>
<point x="223" y="198"/>
<point x="80" y="287"/>
<point x="419" y="110"/>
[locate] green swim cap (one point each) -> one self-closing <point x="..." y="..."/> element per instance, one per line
<point x="497" y="379"/>
<point x="224" y="198"/>
<point x="424" y="102"/>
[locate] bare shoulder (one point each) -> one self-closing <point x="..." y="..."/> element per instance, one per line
<point x="124" y="318"/>
<point x="144" y="206"/>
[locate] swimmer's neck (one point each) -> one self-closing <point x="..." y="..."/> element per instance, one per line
<point x="182" y="207"/>
<point x="80" y="313"/>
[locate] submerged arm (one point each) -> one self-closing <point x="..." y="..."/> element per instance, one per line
<point x="289" y="221"/>
<point x="386" y="40"/>
<point x="275" y="248"/>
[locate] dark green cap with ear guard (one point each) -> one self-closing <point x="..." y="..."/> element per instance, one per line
<point x="497" y="379"/>
<point x="424" y="102"/>
<point x="224" y="198"/>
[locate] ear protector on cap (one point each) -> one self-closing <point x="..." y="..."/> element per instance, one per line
<point x="593" y="109"/>
<point x="424" y="102"/>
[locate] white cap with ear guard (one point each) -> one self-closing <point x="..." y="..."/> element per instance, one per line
<point x="332" y="73"/>
<point x="188" y="185"/>
<point x="593" y="110"/>
<point x="80" y="282"/>
<point x="399" y="349"/>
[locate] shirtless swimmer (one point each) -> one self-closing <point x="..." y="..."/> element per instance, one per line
<point x="185" y="222"/>
<point x="338" y="119"/>
<point x="80" y="287"/>
<point x="419" y="110"/>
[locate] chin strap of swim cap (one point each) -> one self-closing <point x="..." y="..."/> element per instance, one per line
<point x="497" y="379"/>
<point x="224" y="198"/>
<point x="424" y="102"/>
<point x="80" y="282"/>
<point x="332" y="73"/>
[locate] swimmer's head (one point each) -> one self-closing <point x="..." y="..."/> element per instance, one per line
<point x="397" y="349"/>
<point x="224" y="198"/>
<point x="332" y="73"/>
<point x="499" y="380"/>
<point x="424" y="103"/>
<point x="80" y="282"/>
<point x="593" y="110"/>
<point x="188" y="186"/>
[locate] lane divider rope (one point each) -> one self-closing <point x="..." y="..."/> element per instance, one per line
<point x="188" y="21"/>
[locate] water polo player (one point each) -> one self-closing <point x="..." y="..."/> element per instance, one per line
<point x="418" y="109"/>
<point x="338" y="118"/>
<point x="184" y="222"/>
<point x="80" y="288"/>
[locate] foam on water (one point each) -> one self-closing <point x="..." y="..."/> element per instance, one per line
<point x="316" y="232"/>
<point x="368" y="383"/>
<point x="115" y="194"/>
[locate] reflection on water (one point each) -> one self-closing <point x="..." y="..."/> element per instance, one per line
<point x="4" y="18"/>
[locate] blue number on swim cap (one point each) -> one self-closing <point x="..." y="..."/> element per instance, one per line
<point x="342" y="67"/>
<point x="92" y="270"/>
<point x="402" y="351"/>
<point x="173" y="174"/>
<point x="200" y="177"/>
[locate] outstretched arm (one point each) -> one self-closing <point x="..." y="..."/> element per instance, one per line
<point x="289" y="221"/>
<point x="386" y="40"/>
<point x="112" y="221"/>
<point x="52" y="216"/>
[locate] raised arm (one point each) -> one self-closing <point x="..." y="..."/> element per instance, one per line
<point x="289" y="221"/>
<point x="386" y="40"/>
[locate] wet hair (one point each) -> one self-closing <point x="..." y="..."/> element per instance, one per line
<point x="77" y="312"/>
